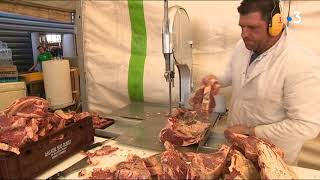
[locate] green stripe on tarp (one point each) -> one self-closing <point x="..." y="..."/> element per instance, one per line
<point x="138" y="50"/>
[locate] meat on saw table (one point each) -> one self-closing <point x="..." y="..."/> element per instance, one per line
<point x="185" y="127"/>
<point x="188" y="126"/>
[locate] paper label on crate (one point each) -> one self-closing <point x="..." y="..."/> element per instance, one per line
<point x="58" y="150"/>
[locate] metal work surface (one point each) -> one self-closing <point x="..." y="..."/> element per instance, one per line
<point x="141" y="111"/>
<point x="146" y="134"/>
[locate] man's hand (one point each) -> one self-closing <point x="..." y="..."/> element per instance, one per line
<point x="241" y="129"/>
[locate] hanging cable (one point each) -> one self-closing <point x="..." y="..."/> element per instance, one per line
<point x="288" y="13"/>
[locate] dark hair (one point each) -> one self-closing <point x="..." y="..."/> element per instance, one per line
<point x="40" y="46"/>
<point x="267" y="8"/>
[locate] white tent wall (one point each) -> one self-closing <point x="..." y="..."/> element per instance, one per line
<point x="107" y="45"/>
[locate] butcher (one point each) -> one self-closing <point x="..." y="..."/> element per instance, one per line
<point x="275" y="83"/>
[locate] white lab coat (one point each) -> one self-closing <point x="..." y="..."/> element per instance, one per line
<point x="278" y="94"/>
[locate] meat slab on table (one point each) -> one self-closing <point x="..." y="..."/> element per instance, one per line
<point x="209" y="165"/>
<point x="172" y="164"/>
<point x="133" y="168"/>
<point x="103" y="151"/>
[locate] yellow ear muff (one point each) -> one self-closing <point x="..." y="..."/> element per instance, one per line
<point x="276" y="25"/>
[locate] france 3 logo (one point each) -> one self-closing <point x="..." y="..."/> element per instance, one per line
<point x="296" y="18"/>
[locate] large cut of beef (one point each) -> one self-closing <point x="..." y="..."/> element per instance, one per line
<point x="210" y="165"/>
<point x="248" y="145"/>
<point x="99" y="173"/>
<point x="16" y="131"/>
<point x="272" y="164"/>
<point x="184" y="128"/>
<point x="28" y="107"/>
<point x="240" y="167"/>
<point x="265" y="156"/>
<point x="203" y="100"/>
<point x="11" y="122"/>
<point x="103" y="151"/>
<point x="133" y="168"/>
<point x="172" y="164"/>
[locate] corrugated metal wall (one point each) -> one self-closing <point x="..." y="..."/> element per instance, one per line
<point x="20" y="45"/>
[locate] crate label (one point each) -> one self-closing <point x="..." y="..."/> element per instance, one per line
<point x="58" y="150"/>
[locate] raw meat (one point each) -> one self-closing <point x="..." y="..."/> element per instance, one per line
<point x="248" y="145"/>
<point x="174" y="166"/>
<point x="184" y="128"/>
<point x="99" y="122"/>
<point x="22" y="131"/>
<point x="153" y="164"/>
<point x="272" y="164"/>
<point x="202" y="100"/>
<point x="28" y="107"/>
<point x="99" y="173"/>
<point x="11" y="122"/>
<point x="28" y="118"/>
<point x="241" y="167"/>
<point x="103" y="151"/>
<point x="210" y="165"/>
<point x="133" y="168"/>
<point x="81" y="116"/>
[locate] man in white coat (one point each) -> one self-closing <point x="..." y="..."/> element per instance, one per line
<point x="275" y="83"/>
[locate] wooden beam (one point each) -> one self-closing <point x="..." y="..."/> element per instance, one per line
<point x="39" y="12"/>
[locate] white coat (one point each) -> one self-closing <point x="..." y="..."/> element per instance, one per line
<point x="278" y="94"/>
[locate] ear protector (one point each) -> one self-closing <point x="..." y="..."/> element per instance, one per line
<point x="276" y="22"/>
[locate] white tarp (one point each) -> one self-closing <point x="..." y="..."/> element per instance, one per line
<point x="108" y="45"/>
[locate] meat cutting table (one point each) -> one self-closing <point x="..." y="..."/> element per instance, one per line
<point x="121" y="155"/>
<point x="139" y="125"/>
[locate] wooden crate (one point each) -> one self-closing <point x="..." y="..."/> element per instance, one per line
<point x="37" y="157"/>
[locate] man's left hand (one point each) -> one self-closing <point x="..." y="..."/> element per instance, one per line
<point x="241" y="129"/>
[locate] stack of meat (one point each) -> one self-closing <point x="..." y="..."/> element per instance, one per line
<point x="247" y="158"/>
<point x="253" y="158"/>
<point x="185" y="127"/>
<point x="27" y="119"/>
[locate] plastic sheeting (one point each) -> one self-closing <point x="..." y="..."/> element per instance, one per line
<point x="108" y="43"/>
